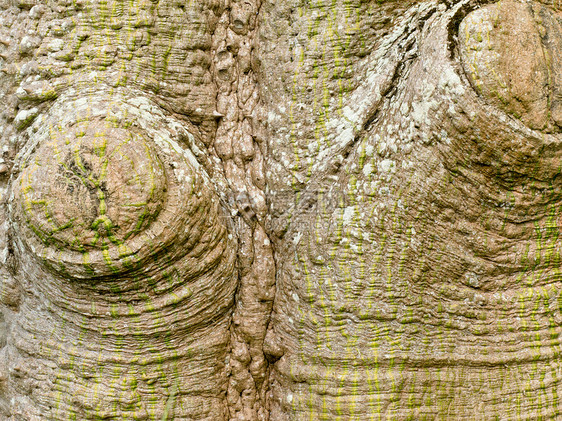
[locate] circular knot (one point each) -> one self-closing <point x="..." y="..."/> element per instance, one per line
<point x="511" y="52"/>
<point x="91" y="187"/>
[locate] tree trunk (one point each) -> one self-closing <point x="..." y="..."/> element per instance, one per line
<point x="280" y="210"/>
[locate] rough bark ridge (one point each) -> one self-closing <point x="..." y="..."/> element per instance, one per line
<point x="402" y="159"/>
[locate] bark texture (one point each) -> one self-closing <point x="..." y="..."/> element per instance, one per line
<point x="270" y="210"/>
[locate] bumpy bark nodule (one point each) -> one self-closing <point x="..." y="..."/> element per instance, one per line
<point x="280" y="210"/>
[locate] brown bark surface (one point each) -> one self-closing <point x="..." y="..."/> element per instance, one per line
<point x="280" y="210"/>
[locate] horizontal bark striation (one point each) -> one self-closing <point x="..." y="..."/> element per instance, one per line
<point x="162" y="49"/>
<point x="126" y="312"/>
<point x="424" y="281"/>
<point x="415" y="218"/>
<point x="137" y="260"/>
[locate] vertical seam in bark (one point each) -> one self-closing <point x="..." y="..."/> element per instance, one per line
<point x="236" y="145"/>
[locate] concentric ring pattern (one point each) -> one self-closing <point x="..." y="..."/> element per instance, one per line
<point x="103" y="193"/>
<point x="91" y="190"/>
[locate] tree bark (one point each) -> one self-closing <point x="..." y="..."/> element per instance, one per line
<point x="280" y="210"/>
